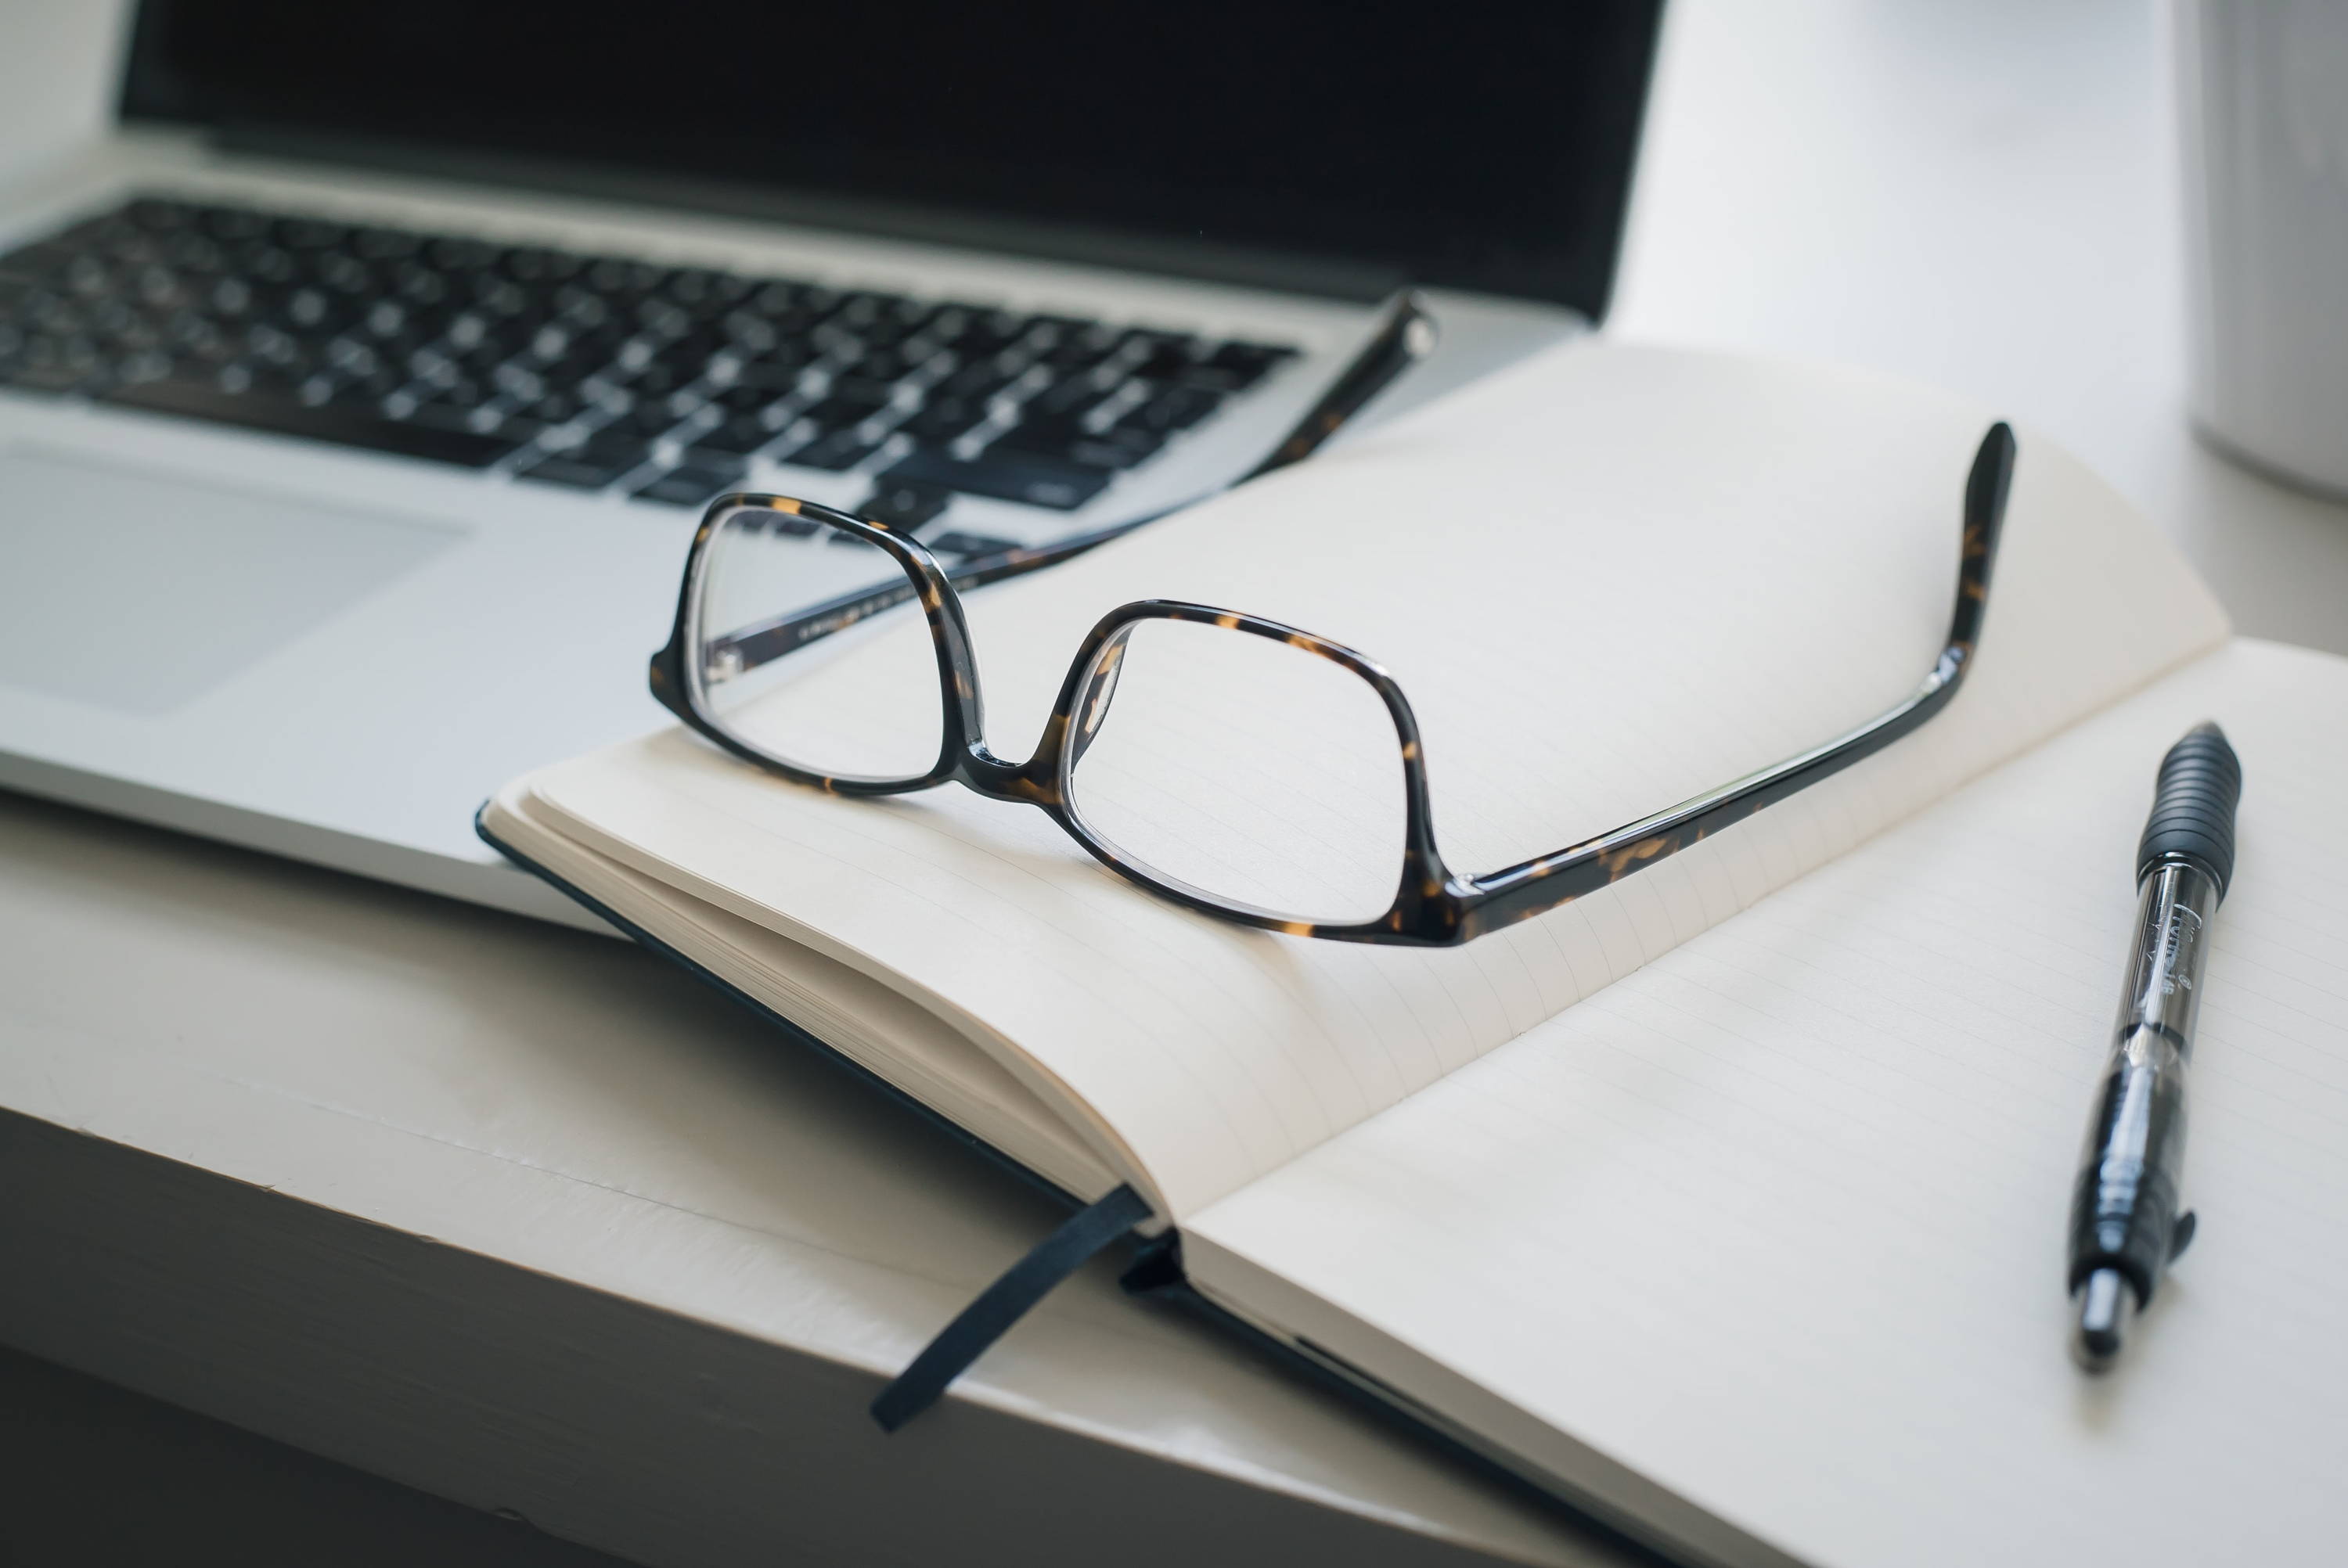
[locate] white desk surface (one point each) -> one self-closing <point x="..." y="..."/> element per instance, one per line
<point x="520" y="1217"/>
<point x="1980" y="195"/>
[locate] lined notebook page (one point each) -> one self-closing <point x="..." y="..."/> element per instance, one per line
<point x="1608" y="580"/>
<point x="1777" y="1223"/>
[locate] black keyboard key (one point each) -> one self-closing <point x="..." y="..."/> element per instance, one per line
<point x="738" y="437"/>
<point x="42" y="262"/>
<point x="581" y="307"/>
<point x="772" y="373"/>
<point x="840" y="449"/>
<point x="980" y="381"/>
<point x="862" y="309"/>
<point x="1115" y="448"/>
<point x="309" y="233"/>
<point x="887" y="336"/>
<point x="1177" y="408"/>
<point x="518" y="428"/>
<point x="648" y="378"/>
<point x="540" y="264"/>
<point x="575" y="472"/>
<point x="663" y="318"/>
<point x="622" y="279"/>
<point x="232" y="223"/>
<point x="839" y="411"/>
<point x="270" y="264"/>
<point x="347" y="425"/>
<point x="555" y="408"/>
<point x="777" y="298"/>
<point x="745" y="398"/>
<point x="904" y="506"/>
<point x="349" y="275"/>
<point x="481" y="420"/>
<point x="1081" y="350"/>
<point x="157" y="213"/>
<point x="980" y="334"/>
<point x="691" y="354"/>
<point x="34" y="372"/>
<point x="370" y="387"/>
<point x="876" y="391"/>
<point x="376" y="244"/>
<point x="1005" y="475"/>
<point x="586" y="356"/>
<point x="449" y="253"/>
<point x="749" y="334"/>
<point x="614" y="446"/>
<point x="1070" y="440"/>
<point x="1071" y="398"/>
<point x="1243" y="364"/>
<point x="461" y="394"/>
<point x="693" y="484"/>
<point x="970" y="545"/>
<point x="705" y="293"/>
<point x="884" y="366"/>
<point x="192" y="253"/>
<point x="653" y="416"/>
<point x="944" y="419"/>
<point x="1158" y="356"/>
<point x="47" y="312"/>
<point x="519" y="383"/>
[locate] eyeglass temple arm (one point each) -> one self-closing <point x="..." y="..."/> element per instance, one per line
<point x="1404" y="335"/>
<point x="1522" y="891"/>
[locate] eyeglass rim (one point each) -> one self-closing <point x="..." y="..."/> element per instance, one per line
<point x="1432" y="906"/>
<point x="1043" y="779"/>
<point x="679" y="680"/>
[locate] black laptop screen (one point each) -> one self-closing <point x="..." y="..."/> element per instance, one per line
<point x="1485" y="146"/>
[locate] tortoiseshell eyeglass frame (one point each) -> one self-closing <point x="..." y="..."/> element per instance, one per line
<point x="1432" y="906"/>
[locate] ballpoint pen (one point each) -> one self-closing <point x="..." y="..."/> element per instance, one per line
<point x="2126" y="1228"/>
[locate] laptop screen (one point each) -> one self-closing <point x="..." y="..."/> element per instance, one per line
<point x="1482" y="147"/>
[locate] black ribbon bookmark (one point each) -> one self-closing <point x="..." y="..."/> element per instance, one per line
<point x="1004" y="1303"/>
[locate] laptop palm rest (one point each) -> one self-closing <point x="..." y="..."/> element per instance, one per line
<point x="141" y="592"/>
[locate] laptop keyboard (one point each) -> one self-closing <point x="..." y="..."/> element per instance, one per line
<point x="595" y="372"/>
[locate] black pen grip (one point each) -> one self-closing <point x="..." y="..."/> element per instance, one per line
<point x="2193" y="806"/>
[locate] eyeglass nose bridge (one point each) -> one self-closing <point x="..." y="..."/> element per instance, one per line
<point x="996" y="779"/>
<point x="1075" y="724"/>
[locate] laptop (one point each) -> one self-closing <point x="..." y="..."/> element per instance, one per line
<point x="359" y="391"/>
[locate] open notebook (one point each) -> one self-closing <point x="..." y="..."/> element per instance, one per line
<point x="1726" y="1203"/>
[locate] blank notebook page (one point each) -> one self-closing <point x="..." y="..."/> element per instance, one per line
<point x="1608" y="580"/>
<point x="1778" y="1222"/>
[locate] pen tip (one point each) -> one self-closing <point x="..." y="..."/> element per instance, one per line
<point x="2106" y="1304"/>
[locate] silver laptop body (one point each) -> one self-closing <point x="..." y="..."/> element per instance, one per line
<point x="320" y="599"/>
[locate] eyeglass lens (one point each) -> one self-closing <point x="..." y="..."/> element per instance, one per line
<point x="1256" y="772"/>
<point x="878" y="715"/>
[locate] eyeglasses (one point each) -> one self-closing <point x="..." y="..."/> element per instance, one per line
<point x="1243" y="768"/>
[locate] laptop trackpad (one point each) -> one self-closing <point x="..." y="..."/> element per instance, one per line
<point x="139" y="592"/>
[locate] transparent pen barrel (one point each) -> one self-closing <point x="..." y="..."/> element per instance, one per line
<point x="2123" y="1211"/>
<point x="2164" y="983"/>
